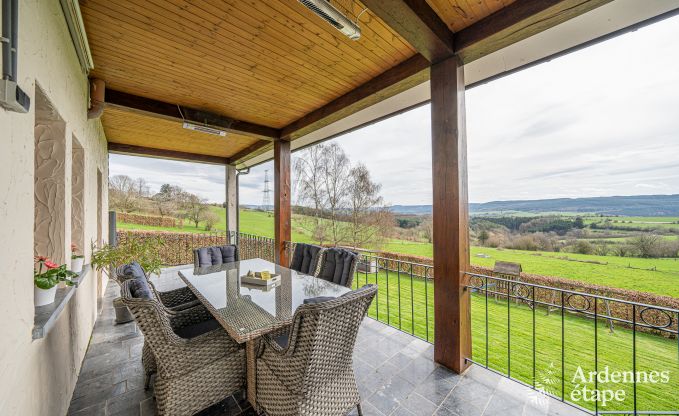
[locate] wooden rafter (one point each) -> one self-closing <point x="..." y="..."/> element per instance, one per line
<point x="417" y="23"/>
<point x="128" y="149"/>
<point x="515" y="22"/>
<point x="174" y="112"/>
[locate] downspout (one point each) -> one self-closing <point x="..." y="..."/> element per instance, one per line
<point x="238" y="173"/>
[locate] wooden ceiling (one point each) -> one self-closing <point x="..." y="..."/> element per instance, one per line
<point x="459" y="14"/>
<point x="131" y="128"/>
<point x="274" y="67"/>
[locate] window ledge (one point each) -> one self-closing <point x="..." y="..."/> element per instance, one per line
<point x="46" y="316"/>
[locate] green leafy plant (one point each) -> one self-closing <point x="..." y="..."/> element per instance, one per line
<point x="145" y="251"/>
<point x="49" y="274"/>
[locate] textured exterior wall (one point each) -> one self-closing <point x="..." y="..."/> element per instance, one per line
<point x="38" y="376"/>
<point x="77" y="196"/>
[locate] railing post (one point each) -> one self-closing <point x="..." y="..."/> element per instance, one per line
<point x="282" y="213"/>
<point x="452" y="315"/>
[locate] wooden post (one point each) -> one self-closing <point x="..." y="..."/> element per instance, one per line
<point x="452" y="340"/>
<point x="231" y="199"/>
<point x="281" y="190"/>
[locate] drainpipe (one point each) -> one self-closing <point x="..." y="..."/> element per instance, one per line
<point x="97" y="98"/>
<point x="238" y="173"/>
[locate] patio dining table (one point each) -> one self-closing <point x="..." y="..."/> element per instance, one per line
<point x="247" y="312"/>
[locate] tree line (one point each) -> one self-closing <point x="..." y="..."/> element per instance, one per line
<point x="134" y="195"/>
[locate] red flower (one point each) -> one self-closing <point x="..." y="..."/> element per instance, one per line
<point x="50" y="265"/>
<point x="41" y="258"/>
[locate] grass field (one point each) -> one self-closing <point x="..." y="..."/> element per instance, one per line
<point x="647" y="275"/>
<point x="407" y="303"/>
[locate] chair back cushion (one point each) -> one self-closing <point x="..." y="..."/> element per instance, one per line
<point x="215" y="256"/>
<point x="338" y="265"/>
<point x="305" y="258"/>
<point x="133" y="270"/>
<point x="140" y="289"/>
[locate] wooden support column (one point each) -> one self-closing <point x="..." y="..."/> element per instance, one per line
<point x="281" y="190"/>
<point x="452" y="340"/>
<point x="231" y="198"/>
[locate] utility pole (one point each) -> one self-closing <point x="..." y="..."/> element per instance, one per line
<point x="266" y="198"/>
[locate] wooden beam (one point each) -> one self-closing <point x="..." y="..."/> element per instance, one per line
<point x="452" y="316"/>
<point x="515" y="22"/>
<point x="250" y="152"/>
<point x="281" y="191"/>
<point x="417" y="23"/>
<point x="402" y="77"/>
<point x="177" y="113"/>
<point x="128" y="149"/>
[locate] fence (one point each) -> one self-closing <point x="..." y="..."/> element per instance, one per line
<point x="177" y="248"/>
<point x="150" y="220"/>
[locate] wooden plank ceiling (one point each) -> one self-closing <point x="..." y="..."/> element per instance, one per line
<point x="459" y="14"/>
<point x="271" y="65"/>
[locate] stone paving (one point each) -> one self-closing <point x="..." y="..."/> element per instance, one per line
<point x="394" y="371"/>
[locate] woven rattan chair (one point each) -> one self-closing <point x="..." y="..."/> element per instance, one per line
<point x="198" y="365"/>
<point x="306" y="258"/>
<point x="176" y="299"/>
<point x="338" y="265"/>
<point x="216" y="255"/>
<point x="312" y="373"/>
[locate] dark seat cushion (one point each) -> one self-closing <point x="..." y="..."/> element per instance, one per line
<point x="192" y="331"/>
<point x="337" y="265"/>
<point x="282" y="339"/>
<point x="140" y="289"/>
<point x="318" y="299"/>
<point x="134" y="270"/>
<point x="216" y="255"/>
<point x="305" y="258"/>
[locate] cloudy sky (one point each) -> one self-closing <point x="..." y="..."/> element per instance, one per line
<point x="602" y="121"/>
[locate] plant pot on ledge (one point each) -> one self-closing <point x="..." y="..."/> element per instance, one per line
<point x="46" y="277"/>
<point x="44" y="296"/>
<point x="77" y="264"/>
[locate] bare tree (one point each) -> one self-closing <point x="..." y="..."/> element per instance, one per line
<point x="310" y="189"/>
<point x="336" y="183"/>
<point x="194" y="207"/>
<point x="167" y="200"/>
<point x="123" y="193"/>
<point x="368" y="220"/>
<point x="210" y="218"/>
<point x="646" y="244"/>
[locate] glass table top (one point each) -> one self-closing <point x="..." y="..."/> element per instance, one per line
<point x="248" y="311"/>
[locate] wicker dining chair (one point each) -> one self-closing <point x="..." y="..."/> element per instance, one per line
<point x="215" y="255"/>
<point x="310" y="371"/>
<point x="198" y="363"/>
<point x="338" y="265"/>
<point x="306" y="258"/>
<point x="175" y="299"/>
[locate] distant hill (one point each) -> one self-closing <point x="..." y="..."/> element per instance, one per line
<point x="639" y="205"/>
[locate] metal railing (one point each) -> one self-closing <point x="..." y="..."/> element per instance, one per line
<point x="606" y="332"/>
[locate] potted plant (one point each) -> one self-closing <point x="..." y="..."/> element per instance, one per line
<point x="77" y="260"/>
<point x="46" y="276"/>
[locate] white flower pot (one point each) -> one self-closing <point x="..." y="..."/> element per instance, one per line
<point x="44" y="296"/>
<point x="77" y="264"/>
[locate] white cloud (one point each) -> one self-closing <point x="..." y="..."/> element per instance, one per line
<point x="601" y="121"/>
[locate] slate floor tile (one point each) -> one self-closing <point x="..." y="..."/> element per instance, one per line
<point x="395" y="374"/>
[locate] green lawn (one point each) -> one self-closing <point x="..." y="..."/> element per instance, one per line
<point x="647" y="275"/>
<point x="407" y="303"/>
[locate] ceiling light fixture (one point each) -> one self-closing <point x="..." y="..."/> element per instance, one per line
<point x="199" y="127"/>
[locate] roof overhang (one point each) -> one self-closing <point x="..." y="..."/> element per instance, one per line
<point x="608" y="20"/>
